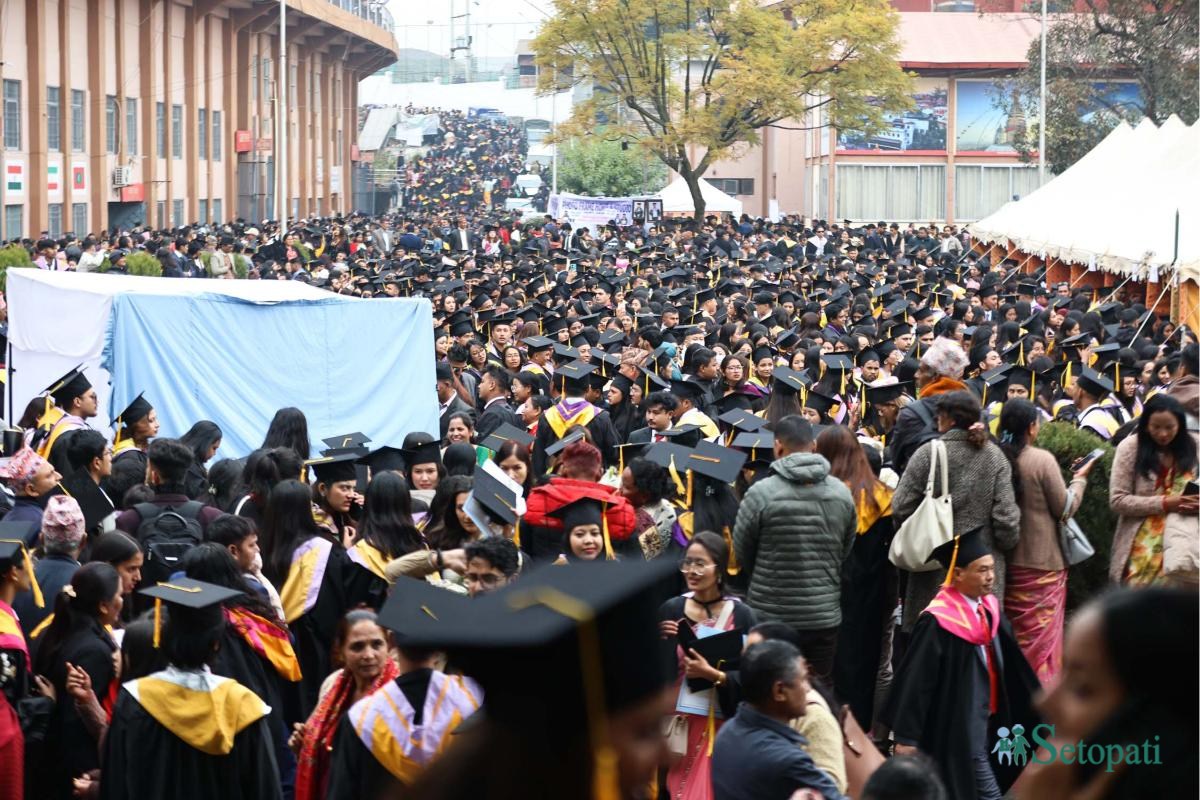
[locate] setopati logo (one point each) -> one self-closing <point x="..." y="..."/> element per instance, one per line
<point x="1013" y="748"/>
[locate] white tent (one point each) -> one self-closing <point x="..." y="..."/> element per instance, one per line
<point x="1116" y="207"/>
<point x="677" y="198"/>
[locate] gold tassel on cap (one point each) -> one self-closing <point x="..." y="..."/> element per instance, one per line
<point x="157" y="622"/>
<point x="953" y="563"/>
<point x="27" y="565"/>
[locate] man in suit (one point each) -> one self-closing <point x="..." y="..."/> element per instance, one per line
<point x="462" y="240"/>
<point x="893" y="242"/>
<point x="383" y="237"/>
<point x="448" y="400"/>
<point x="494" y="386"/>
<point x="659" y="409"/>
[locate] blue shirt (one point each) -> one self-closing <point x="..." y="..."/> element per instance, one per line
<point x="759" y="758"/>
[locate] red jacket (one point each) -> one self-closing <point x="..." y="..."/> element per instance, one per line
<point x="621" y="516"/>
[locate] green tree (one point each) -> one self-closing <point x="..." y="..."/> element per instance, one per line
<point x="1151" y="42"/>
<point x="689" y="79"/>
<point x="602" y="168"/>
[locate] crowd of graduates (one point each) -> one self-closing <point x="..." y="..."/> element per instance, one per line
<point x="651" y="548"/>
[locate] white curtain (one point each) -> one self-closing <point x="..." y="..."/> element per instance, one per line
<point x="903" y="187"/>
<point x="996" y="189"/>
<point x="967" y="180"/>
<point x="931" y="203"/>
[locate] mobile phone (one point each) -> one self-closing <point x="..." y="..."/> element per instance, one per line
<point x="685" y="635"/>
<point x="1191" y="488"/>
<point x="1080" y="463"/>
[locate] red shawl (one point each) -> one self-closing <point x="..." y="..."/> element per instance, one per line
<point x="622" y="518"/>
<point x="312" y="767"/>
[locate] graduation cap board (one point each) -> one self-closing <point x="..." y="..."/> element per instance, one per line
<point x="574" y="435"/>
<point x="195" y="605"/>
<point x="136" y="411"/>
<point x="507" y="433"/>
<point x="69" y="386"/>
<point x="346" y="441"/>
<point x="384" y="459"/>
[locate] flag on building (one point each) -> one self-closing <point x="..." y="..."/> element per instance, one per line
<point x="52" y="178"/>
<point x="78" y="177"/>
<point x="14" y="177"/>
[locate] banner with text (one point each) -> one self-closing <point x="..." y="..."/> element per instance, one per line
<point x="590" y="212"/>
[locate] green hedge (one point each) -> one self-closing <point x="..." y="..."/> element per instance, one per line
<point x="1094" y="516"/>
<point x="12" y="256"/>
<point x="139" y="263"/>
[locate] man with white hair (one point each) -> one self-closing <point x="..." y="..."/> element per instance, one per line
<point x="940" y="371"/>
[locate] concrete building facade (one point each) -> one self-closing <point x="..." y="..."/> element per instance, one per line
<point x="163" y="111"/>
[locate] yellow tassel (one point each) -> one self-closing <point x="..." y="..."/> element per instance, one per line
<point x="679" y="487"/>
<point x="953" y="564"/>
<point x="608" y="548"/>
<point x="157" y="621"/>
<point x="517" y="533"/>
<point x="689" y="489"/>
<point x="711" y="727"/>
<point x="734" y="568"/>
<point x="38" y="600"/>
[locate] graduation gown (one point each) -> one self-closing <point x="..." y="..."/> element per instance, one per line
<point x="95" y="504"/>
<point x="128" y="470"/>
<point x="561" y="416"/>
<point x="314" y="599"/>
<point x="189" y="734"/>
<point x="940" y="695"/>
<point x="365" y="576"/>
<point x="388" y="738"/>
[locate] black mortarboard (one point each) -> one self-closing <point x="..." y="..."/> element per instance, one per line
<point x="570" y="437"/>
<point x="715" y="461"/>
<point x="818" y="402"/>
<point x="686" y="389"/>
<point x="866" y="355"/>
<point x="15" y="540"/>
<point x="335" y="468"/>
<point x="137" y="410"/>
<point x="69" y="386"/>
<point x="506" y="433"/>
<point x="537" y="344"/>
<point x="384" y="459"/>
<point x="583" y="511"/>
<point x="761" y="445"/>
<point x="1094" y="383"/>
<point x="1022" y="376"/>
<point x="195" y="605"/>
<point x="787" y="380"/>
<point x="994" y="381"/>
<point x="424" y="453"/>
<point x="497" y="498"/>
<point x="628" y="452"/>
<point x="611" y="337"/>
<point x="412" y="603"/>
<point x="734" y="402"/>
<point x="576" y="370"/>
<point x="961" y="551"/>
<point x="885" y="394"/>
<point x="742" y="420"/>
<point x="346" y="441"/>
<point x="686" y="435"/>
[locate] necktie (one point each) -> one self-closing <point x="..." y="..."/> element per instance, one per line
<point x="993" y="678"/>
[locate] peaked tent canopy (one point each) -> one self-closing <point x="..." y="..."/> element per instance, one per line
<point x="677" y="198"/>
<point x="1115" y="208"/>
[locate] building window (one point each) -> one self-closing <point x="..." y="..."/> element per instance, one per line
<point x="53" y="119"/>
<point x="202" y="132"/>
<point x="216" y="135"/>
<point x="895" y="192"/>
<point x="161" y="213"/>
<point x="980" y="190"/>
<point x="12" y="119"/>
<point x="55" y="225"/>
<point x="78" y="120"/>
<point x="79" y="219"/>
<point x="14" y="220"/>
<point x="216" y="212"/>
<point x="177" y="131"/>
<point x="203" y="211"/>
<point x="131" y="126"/>
<point x="110" y="124"/>
<point x="177" y="212"/>
<point x="160" y="129"/>
<point x="733" y="186"/>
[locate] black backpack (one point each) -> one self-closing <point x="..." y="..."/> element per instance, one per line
<point x="166" y="533"/>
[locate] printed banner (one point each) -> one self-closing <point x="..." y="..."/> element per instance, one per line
<point x="79" y="176"/>
<point x="14" y="177"/>
<point x="591" y="212"/>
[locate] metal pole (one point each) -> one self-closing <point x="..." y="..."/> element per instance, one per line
<point x="1042" y="107"/>
<point x="281" y="148"/>
<point x="554" y="131"/>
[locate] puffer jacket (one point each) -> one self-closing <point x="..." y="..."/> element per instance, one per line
<point x="793" y="531"/>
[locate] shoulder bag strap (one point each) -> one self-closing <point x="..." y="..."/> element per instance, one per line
<point x="726" y="613"/>
<point x="945" y="461"/>
<point x="933" y="462"/>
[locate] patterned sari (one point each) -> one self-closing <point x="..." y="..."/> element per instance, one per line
<point x="1145" y="564"/>
<point x="1035" y="601"/>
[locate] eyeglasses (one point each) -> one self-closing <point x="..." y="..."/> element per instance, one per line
<point x="695" y="565"/>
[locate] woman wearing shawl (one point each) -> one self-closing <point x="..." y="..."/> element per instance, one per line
<point x="361" y="647"/>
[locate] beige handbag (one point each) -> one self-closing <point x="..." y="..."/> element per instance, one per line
<point x="932" y="524"/>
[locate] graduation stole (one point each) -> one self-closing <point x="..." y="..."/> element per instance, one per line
<point x="204" y="710"/>
<point x="369" y="558"/>
<point x="383" y="721"/>
<point x="270" y="641"/>
<point x="563" y="415"/>
<point x="955" y="616"/>
<point x="303" y="584"/>
<point x="11" y="637"/>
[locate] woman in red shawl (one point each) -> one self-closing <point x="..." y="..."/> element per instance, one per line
<point x="361" y="647"/>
